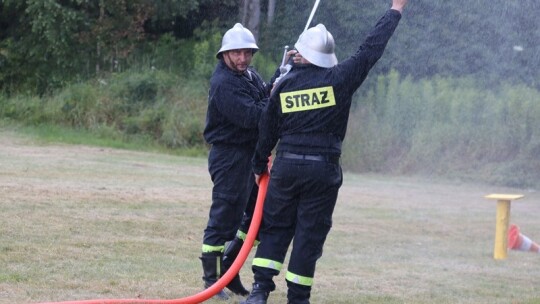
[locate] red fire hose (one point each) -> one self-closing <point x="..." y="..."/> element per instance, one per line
<point x="223" y="281"/>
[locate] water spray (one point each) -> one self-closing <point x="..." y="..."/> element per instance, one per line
<point x="286" y="66"/>
<point x="313" y="10"/>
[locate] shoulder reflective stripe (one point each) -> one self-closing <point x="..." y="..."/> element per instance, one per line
<point x="306" y="100"/>
<point x="266" y="263"/>
<point x="298" y="279"/>
<point x="208" y="248"/>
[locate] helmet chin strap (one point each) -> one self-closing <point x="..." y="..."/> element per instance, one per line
<point x="230" y="63"/>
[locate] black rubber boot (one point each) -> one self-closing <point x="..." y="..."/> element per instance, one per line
<point x="211" y="263"/>
<point x="298" y="294"/>
<point x="230" y="254"/>
<point x="257" y="295"/>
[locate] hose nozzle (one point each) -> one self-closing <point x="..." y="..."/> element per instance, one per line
<point x="282" y="68"/>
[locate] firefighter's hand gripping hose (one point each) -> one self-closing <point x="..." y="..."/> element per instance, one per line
<point x="222" y="282"/>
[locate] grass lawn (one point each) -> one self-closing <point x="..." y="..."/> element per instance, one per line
<point x="81" y="222"/>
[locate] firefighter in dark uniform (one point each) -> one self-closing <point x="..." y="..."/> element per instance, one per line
<point x="236" y="98"/>
<point x="308" y="113"/>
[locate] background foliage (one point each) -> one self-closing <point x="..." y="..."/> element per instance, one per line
<point x="446" y="127"/>
<point x="455" y="94"/>
<point x="45" y="44"/>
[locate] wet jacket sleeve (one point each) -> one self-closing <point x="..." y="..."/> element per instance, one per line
<point x="268" y="135"/>
<point x="273" y="79"/>
<point x="237" y="105"/>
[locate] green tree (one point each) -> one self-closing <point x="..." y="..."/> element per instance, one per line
<point x="46" y="43"/>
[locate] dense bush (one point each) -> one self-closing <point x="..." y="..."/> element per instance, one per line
<point x="161" y="106"/>
<point x="441" y="126"/>
<point x="122" y="69"/>
<point x="449" y="127"/>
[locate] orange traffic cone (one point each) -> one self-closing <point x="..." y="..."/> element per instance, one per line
<point x="518" y="241"/>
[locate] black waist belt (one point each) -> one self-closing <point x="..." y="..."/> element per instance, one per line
<point x="324" y="158"/>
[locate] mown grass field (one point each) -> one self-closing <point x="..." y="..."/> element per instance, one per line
<point x="80" y="223"/>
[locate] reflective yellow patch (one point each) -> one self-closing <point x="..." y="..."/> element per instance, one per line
<point x="306" y="100"/>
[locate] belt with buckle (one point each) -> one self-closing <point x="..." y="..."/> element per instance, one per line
<point x="323" y="158"/>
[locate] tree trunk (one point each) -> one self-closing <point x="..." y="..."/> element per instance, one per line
<point x="251" y="15"/>
<point x="271" y="11"/>
<point x="98" y="43"/>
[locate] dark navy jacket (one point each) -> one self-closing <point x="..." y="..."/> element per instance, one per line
<point x="235" y="103"/>
<point x="309" y="109"/>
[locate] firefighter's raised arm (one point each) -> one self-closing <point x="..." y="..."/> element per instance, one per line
<point x="398" y="5"/>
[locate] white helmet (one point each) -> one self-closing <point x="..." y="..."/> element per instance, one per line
<point x="238" y="37"/>
<point x="317" y="45"/>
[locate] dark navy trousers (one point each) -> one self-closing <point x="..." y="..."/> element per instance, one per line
<point x="234" y="192"/>
<point x="299" y="203"/>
